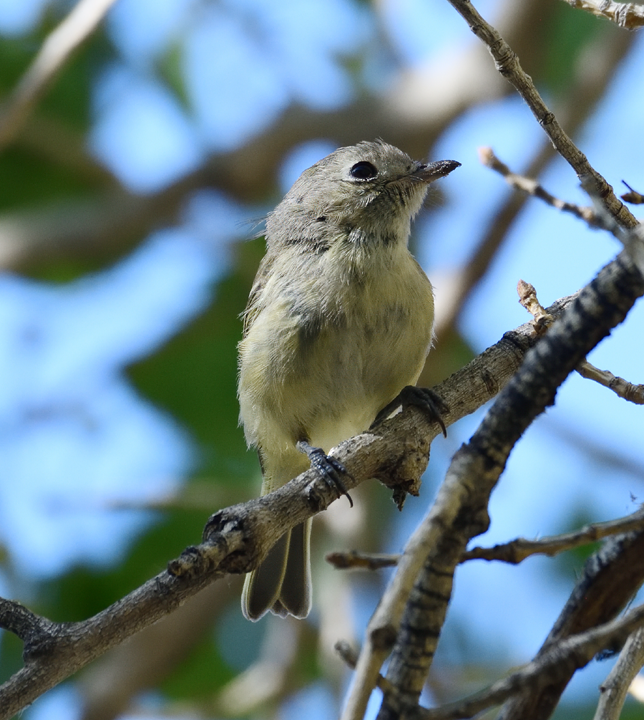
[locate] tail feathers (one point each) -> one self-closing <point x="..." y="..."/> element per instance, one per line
<point x="282" y="583"/>
<point x="295" y="593"/>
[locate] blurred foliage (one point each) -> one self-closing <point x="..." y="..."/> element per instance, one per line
<point x="28" y="180"/>
<point x="199" y="674"/>
<point x="568" y="34"/>
<point x="171" y="70"/>
<point x="193" y="376"/>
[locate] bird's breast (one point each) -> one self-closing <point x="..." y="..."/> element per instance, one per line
<point x="324" y="357"/>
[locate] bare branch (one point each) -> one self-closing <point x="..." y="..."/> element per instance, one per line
<point x="610" y="578"/>
<point x="459" y="512"/>
<point x="81" y="22"/>
<point x="428" y="602"/>
<point x="355" y="559"/>
<point x="513" y="552"/>
<point x="634" y="197"/>
<point x="518" y="550"/>
<point x="507" y="63"/>
<point x="627" y="15"/>
<point x="563" y="657"/>
<point x="624" y="389"/>
<point x="587" y="87"/>
<point x="615" y="688"/>
<point x="54" y="651"/>
<point x="532" y="187"/>
<point x="236" y="538"/>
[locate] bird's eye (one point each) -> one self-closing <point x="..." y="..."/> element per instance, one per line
<point x="363" y="170"/>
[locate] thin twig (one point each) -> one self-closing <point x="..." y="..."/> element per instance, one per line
<point x="532" y="187"/>
<point x="507" y="63"/>
<point x="529" y="300"/>
<point x="627" y="15"/>
<point x="81" y="22"/>
<point x="356" y="559"/>
<point x="586" y="90"/>
<point x="518" y="550"/>
<point x="622" y="388"/>
<point x="350" y="657"/>
<point x="513" y="552"/>
<point x="632" y="196"/>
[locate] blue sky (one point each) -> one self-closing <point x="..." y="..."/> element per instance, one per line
<point x="92" y="439"/>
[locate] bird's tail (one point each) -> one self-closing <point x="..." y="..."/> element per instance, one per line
<point x="282" y="583"/>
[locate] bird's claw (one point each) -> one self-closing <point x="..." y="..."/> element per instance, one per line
<point x="328" y="467"/>
<point x="421" y="397"/>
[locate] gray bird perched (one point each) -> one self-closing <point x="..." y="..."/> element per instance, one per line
<point x="338" y="322"/>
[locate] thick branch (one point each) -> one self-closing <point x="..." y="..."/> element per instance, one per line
<point x="239" y="536"/>
<point x="563" y="658"/>
<point x="610" y="579"/>
<point x="460" y="511"/>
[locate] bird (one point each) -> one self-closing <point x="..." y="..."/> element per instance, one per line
<point x="338" y="322"/>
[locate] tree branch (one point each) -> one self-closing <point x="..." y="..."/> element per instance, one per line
<point x="607" y="51"/>
<point x="237" y="538"/>
<point x="566" y="656"/>
<point x="514" y="552"/>
<point x="532" y="187"/>
<point x="518" y="550"/>
<point x="460" y="511"/>
<point x="615" y="688"/>
<point x="507" y="63"/>
<point x="627" y="15"/>
<point x="622" y="388"/>
<point x="610" y="579"/>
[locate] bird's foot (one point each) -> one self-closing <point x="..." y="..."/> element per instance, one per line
<point x="328" y="467"/>
<point x="423" y="398"/>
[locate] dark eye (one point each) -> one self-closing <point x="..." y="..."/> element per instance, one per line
<point x="363" y="170"/>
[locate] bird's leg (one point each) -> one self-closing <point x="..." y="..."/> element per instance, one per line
<point x="423" y="398"/>
<point x="328" y="467"/>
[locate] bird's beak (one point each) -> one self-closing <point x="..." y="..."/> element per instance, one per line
<point x="434" y="170"/>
